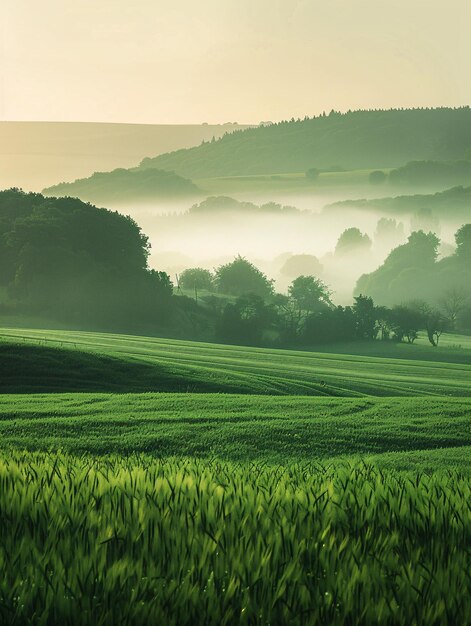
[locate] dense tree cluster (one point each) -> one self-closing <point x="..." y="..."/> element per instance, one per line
<point x="413" y="271"/>
<point x="399" y="299"/>
<point x="70" y="261"/>
<point x="306" y="315"/>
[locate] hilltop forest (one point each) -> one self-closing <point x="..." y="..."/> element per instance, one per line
<point x="353" y="140"/>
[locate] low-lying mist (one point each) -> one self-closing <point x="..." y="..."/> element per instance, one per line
<point x="216" y="230"/>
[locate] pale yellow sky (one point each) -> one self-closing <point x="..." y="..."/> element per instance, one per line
<point x="184" y="61"/>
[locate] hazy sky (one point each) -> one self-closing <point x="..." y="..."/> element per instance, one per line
<point x="183" y="61"/>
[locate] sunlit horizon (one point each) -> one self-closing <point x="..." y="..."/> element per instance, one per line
<point x="213" y="62"/>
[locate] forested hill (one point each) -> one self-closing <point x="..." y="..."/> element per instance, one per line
<point x="359" y="139"/>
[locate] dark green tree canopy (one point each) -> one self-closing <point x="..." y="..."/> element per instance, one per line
<point x="309" y="293"/>
<point x="365" y="315"/>
<point x="69" y="260"/>
<point x="245" y="321"/>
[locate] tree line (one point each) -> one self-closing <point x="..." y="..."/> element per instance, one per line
<point x="306" y="315"/>
<point x="66" y="261"/>
<point x="352" y="140"/>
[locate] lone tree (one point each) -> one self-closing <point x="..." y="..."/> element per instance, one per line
<point x="389" y="230"/>
<point x="196" y="278"/>
<point x="452" y="303"/>
<point x="352" y="240"/>
<point x="365" y="317"/>
<point x="312" y="173"/>
<point x="309" y="293"/>
<point x="405" y="323"/>
<point x="240" y="277"/>
<point x="434" y="321"/>
<point x="301" y="265"/>
<point x="377" y="177"/>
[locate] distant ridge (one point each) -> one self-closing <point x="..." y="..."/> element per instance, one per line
<point x="353" y="140"/>
<point x="34" y="155"/>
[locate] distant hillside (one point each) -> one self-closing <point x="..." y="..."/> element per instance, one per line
<point x="121" y="185"/>
<point x="34" y="155"/>
<point x="455" y="202"/>
<point x="355" y="140"/>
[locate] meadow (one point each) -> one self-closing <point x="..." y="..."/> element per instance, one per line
<point x="147" y="480"/>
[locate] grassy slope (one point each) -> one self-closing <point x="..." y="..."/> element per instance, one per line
<point x="184" y="365"/>
<point x="34" y="368"/>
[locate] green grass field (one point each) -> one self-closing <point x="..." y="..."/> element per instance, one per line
<point x="157" y="481"/>
<point x="419" y="433"/>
